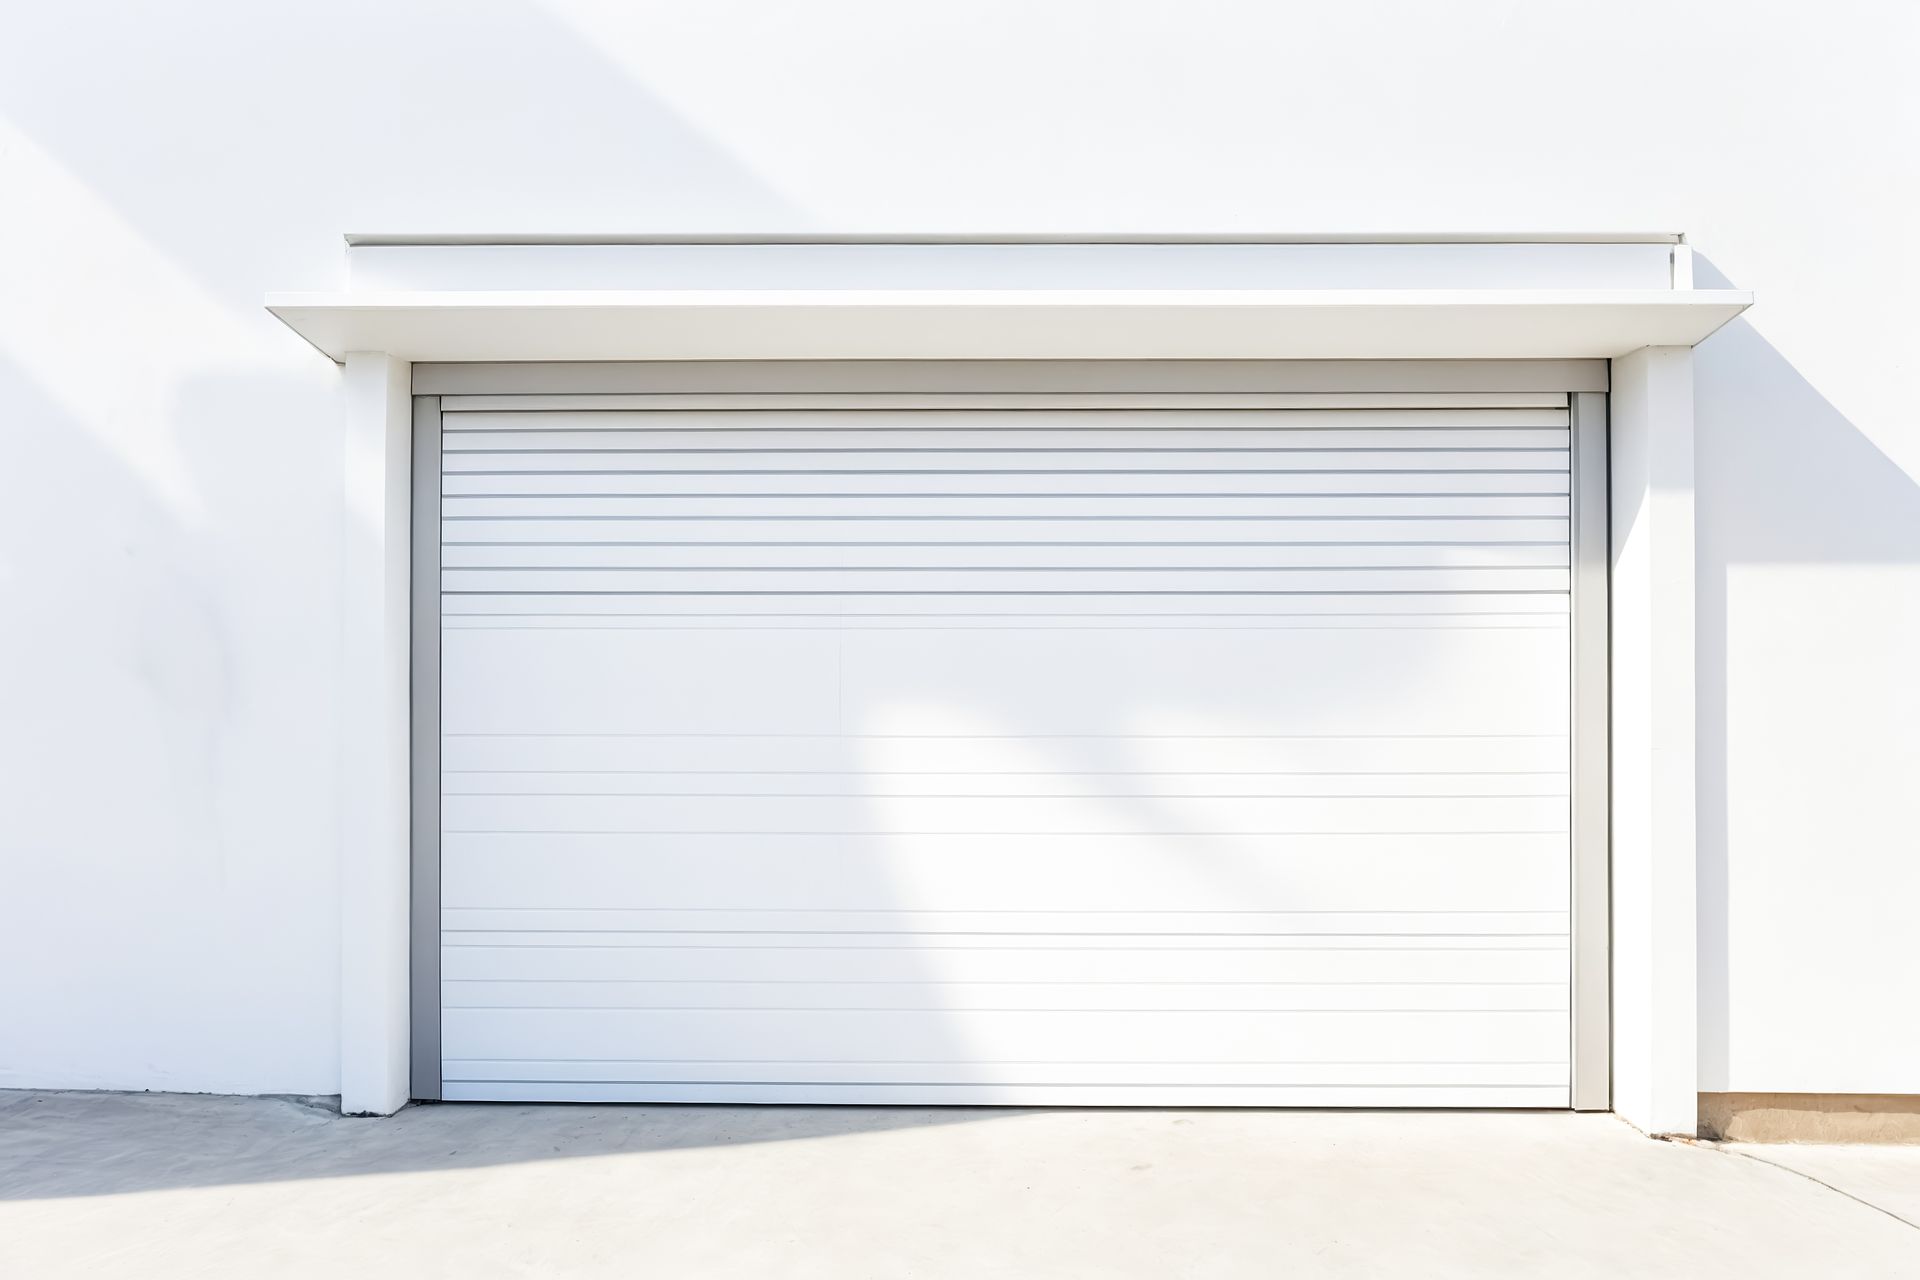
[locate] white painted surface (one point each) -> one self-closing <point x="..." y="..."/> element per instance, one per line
<point x="866" y="786"/>
<point x="374" y="764"/>
<point x="978" y="324"/>
<point x="173" y="743"/>
<point x="1653" y="766"/>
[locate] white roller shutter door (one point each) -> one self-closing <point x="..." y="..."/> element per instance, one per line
<point x="1175" y="756"/>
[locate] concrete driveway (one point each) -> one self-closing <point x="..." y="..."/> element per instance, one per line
<point x="162" y="1186"/>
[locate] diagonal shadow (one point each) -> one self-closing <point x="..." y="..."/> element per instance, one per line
<point x="68" y="1145"/>
<point x="1784" y="480"/>
<point x="403" y="115"/>
<point x="173" y="735"/>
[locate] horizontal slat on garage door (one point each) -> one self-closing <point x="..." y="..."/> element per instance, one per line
<point x="860" y="814"/>
<point x="1013" y="997"/>
<point x="926" y="534"/>
<point x="1266" y="954"/>
<point x="1114" y="510"/>
<point x="1040" y="783"/>
<point x="1009" y="423"/>
<point x="1252" y="457"/>
<point x="1049" y="580"/>
<point x="1060" y="485"/>
<point x="948" y="402"/>
<point x="879" y="759"/>
<point x="754" y="450"/>
<point x="616" y="922"/>
<point x="1438" y="873"/>
<point x="1056" y="1035"/>
<point x="975" y="557"/>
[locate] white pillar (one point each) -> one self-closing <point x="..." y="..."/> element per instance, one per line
<point x="1655" y="1028"/>
<point x="374" y="738"/>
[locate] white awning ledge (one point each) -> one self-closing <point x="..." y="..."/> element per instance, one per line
<point x="1002" y="324"/>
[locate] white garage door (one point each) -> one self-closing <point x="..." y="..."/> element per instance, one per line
<point x="1182" y="756"/>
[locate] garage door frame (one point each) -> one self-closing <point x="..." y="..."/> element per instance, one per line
<point x="1144" y="384"/>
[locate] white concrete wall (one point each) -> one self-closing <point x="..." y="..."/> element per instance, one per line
<point x="1655" y="941"/>
<point x="170" y="664"/>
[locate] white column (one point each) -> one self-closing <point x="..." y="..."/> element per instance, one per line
<point x="374" y="750"/>
<point x="1655" y="1030"/>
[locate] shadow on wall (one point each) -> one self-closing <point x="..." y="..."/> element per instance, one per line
<point x="263" y="134"/>
<point x="1784" y="478"/>
<point x="157" y="793"/>
<point x="171" y="735"/>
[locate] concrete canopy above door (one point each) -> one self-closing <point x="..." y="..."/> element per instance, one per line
<point x="1411" y="300"/>
<point x="1129" y="324"/>
<point x="1184" y="298"/>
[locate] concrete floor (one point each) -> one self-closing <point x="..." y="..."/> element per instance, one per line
<point x="162" y="1186"/>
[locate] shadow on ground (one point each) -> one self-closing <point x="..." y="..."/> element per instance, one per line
<point x="60" y="1145"/>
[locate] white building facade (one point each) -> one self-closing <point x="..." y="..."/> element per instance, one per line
<point x="211" y="535"/>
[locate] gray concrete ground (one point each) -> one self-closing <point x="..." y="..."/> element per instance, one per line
<point x="161" y="1186"/>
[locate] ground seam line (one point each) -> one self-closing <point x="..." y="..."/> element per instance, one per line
<point x="1819" y="1182"/>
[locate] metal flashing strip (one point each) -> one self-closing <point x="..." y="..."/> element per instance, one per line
<point x="424" y="239"/>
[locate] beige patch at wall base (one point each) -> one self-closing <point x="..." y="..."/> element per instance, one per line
<point x="1810" y="1117"/>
